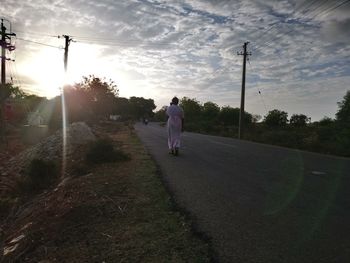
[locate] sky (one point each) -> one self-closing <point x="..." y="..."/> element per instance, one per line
<point x="299" y="62"/>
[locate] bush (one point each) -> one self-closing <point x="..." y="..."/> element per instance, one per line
<point x="102" y="151"/>
<point x="41" y="174"/>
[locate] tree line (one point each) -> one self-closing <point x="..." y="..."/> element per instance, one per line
<point x="95" y="99"/>
<point x="90" y="100"/>
<point x="328" y="135"/>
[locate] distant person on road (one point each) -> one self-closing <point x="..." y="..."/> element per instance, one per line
<point x="175" y="125"/>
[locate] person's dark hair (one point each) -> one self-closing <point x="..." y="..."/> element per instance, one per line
<point x="175" y="101"/>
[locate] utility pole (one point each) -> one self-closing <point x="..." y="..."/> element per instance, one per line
<point x="63" y="102"/>
<point x="241" y="112"/>
<point x="4" y="46"/>
<point x="67" y="42"/>
<point x="3" y="53"/>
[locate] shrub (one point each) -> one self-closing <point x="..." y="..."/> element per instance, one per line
<point x="102" y="151"/>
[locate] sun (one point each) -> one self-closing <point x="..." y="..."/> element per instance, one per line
<point x="46" y="72"/>
<point x="45" y="68"/>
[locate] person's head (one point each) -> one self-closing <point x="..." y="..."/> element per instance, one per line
<point x="175" y="101"/>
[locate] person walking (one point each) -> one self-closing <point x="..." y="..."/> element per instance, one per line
<point x="175" y="125"/>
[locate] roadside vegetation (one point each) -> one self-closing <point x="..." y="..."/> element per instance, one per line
<point x="330" y="136"/>
<point x="96" y="99"/>
<point x="114" y="212"/>
<point x="107" y="203"/>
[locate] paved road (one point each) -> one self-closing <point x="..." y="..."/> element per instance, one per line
<point x="258" y="203"/>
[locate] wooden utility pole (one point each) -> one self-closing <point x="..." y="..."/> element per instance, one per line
<point x="67" y="42"/>
<point x="5" y="45"/>
<point x="241" y="112"/>
<point x="3" y="53"/>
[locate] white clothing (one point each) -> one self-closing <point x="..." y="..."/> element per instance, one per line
<point x="174" y="125"/>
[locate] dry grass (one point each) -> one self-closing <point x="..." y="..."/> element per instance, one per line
<point x="119" y="212"/>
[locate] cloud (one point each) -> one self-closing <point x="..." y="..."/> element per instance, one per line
<point x="189" y="48"/>
<point x="336" y="31"/>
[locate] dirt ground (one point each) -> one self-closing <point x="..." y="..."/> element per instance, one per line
<point x="112" y="212"/>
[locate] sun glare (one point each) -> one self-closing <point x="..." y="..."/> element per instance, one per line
<point x="46" y="70"/>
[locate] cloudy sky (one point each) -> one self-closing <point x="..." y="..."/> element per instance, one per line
<point x="300" y="49"/>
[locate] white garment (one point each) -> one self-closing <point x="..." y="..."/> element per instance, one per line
<point x="174" y="125"/>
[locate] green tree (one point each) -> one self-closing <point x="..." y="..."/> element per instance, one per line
<point x="99" y="93"/>
<point x="160" y="115"/>
<point x="343" y="125"/>
<point x="192" y="108"/>
<point x="276" y="118"/>
<point x="343" y="114"/>
<point x="141" y="107"/>
<point x="80" y="106"/>
<point x="210" y="111"/>
<point x="325" y="121"/>
<point x="10" y="91"/>
<point x="6" y="91"/>
<point x="21" y="102"/>
<point x="230" y="116"/>
<point x="299" y="120"/>
<point x="122" y="107"/>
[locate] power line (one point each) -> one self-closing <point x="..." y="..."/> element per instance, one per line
<point x="39" y="43"/>
<point x="339" y="5"/>
<point x="264" y="33"/>
<point x="36" y="33"/>
<point x="121" y="43"/>
<point x="262" y="99"/>
<point x="305" y="16"/>
<point x="330" y="8"/>
<point x="258" y="90"/>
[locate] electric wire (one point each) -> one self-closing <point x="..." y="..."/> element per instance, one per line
<point x="271" y="27"/>
<point x="337" y="6"/>
<point x="259" y="92"/>
<point x="262" y="99"/>
<point x="305" y="16"/>
<point x="38" y="43"/>
<point x="329" y="8"/>
<point x="35" y="33"/>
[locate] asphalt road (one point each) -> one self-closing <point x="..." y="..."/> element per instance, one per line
<point x="258" y="203"/>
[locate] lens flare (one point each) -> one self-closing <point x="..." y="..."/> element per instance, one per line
<point x="64" y="133"/>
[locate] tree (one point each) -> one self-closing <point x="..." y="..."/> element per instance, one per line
<point x="192" y="108"/>
<point x="121" y="107"/>
<point x="343" y="114"/>
<point x="99" y="93"/>
<point x="160" y="115"/>
<point x="230" y="116"/>
<point x="210" y="111"/>
<point x="343" y="125"/>
<point x="326" y="121"/>
<point x="276" y="118"/>
<point x="80" y="106"/>
<point x="299" y="120"/>
<point x="141" y="107"/>
<point x="20" y="103"/>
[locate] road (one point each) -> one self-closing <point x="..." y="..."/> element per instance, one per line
<point x="258" y="203"/>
